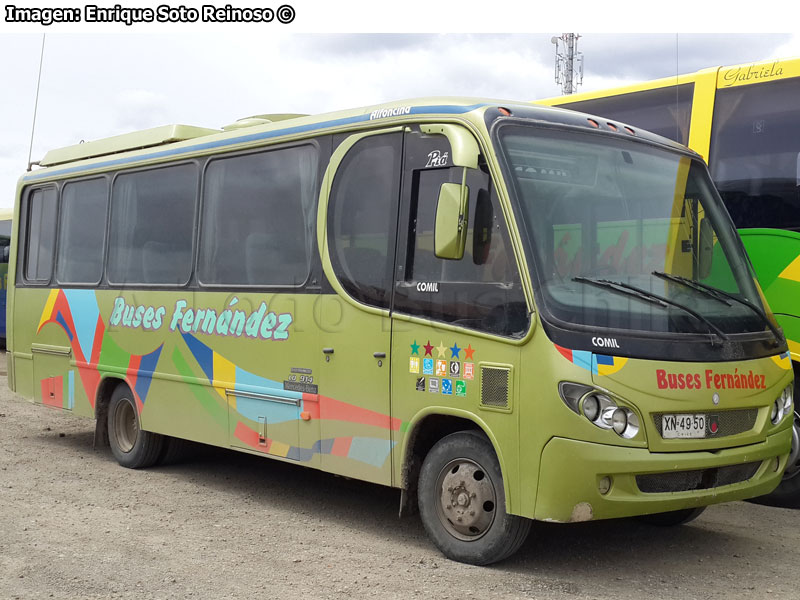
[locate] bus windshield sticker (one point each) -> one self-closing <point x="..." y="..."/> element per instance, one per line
<point x="455" y="369"/>
<point x="427" y="366"/>
<point x="469" y="370"/>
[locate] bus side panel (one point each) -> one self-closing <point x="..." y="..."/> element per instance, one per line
<point x="45" y="366"/>
<point x="440" y="372"/>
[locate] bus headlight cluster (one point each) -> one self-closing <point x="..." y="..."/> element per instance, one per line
<point x="782" y="406"/>
<point x="600" y="409"/>
<point x="603" y="412"/>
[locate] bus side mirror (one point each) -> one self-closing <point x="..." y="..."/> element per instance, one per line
<point x="450" y="232"/>
<point x="705" y="252"/>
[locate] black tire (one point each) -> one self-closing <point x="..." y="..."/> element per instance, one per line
<point x="673" y="518"/>
<point x="461" y="478"/>
<point x="131" y="446"/>
<point x="174" y="451"/>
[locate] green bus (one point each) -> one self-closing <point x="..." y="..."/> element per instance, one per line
<point x="414" y="295"/>
<point x="745" y="120"/>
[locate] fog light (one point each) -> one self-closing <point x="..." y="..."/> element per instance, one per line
<point x="604" y="485"/>
<point x="619" y="421"/>
<point x="591" y="407"/>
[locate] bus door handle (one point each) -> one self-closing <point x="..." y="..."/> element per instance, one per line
<point x="379" y="354"/>
<point x="327" y="350"/>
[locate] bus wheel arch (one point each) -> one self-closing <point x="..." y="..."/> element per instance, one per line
<point x="462" y="500"/>
<point x="102" y="400"/>
<point x="132" y="446"/>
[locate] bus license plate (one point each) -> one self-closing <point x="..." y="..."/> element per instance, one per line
<point x="683" y="426"/>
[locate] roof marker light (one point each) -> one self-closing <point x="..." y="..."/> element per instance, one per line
<point x="504" y="111"/>
<point x="613" y="127"/>
<point x="631" y="131"/>
<point x="593" y="123"/>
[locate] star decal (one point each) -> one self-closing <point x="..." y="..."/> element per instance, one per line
<point x="468" y="352"/>
<point x="428" y="349"/>
<point x="441" y="349"/>
<point x="455" y="350"/>
<point x="415" y="348"/>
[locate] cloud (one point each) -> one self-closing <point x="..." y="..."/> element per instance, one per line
<point x="99" y="85"/>
<point x="643" y="57"/>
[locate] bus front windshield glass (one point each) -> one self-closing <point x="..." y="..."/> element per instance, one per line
<point x="625" y="235"/>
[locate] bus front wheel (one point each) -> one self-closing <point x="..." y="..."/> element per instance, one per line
<point x="131" y="446"/>
<point x="462" y="501"/>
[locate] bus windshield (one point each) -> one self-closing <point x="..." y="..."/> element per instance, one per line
<point x="625" y="235"/>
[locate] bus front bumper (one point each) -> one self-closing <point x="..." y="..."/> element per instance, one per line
<point x="574" y="474"/>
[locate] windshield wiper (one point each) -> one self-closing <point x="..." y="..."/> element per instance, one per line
<point x="630" y="290"/>
<point x="721" y="295"/>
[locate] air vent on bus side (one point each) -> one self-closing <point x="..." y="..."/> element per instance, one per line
<point x="496" y="386"/>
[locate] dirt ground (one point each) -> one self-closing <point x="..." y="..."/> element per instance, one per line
<point x="73" y="524"/>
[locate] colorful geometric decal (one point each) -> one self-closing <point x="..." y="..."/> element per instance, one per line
<point x="596" y="364"/>
<point x="78" y="314"/>
<point x="224" y="377"/>
<point x="372" y="451"/>
<point x="792" y="271"/>
<point x="784" y="361"/>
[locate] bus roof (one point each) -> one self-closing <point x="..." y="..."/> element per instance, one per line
<point x="174" y="141"/>
<point x="726" y="76"/>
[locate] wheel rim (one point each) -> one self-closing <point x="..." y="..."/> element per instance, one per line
<point x="126" y="426"/>
<point x="793" y="464"/>
<point x="467" y="500"/>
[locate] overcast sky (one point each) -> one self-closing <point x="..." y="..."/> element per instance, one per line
<point x="101" y="84"/>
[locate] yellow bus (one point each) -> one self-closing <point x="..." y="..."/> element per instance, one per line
<point x="745" y="121"/>
<point x="412" y="294"/>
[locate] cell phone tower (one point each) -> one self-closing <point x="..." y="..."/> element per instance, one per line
<point x="569" y="62"/>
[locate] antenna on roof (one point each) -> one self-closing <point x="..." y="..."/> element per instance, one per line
<point x="569" y="62"/>
<point x="36" y="104"/>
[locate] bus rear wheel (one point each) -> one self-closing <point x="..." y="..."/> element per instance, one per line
<point x="133" y="447"/>
<point x="462" y="501"/>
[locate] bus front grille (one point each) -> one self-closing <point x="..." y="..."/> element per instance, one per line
<point x="700" y="479"/>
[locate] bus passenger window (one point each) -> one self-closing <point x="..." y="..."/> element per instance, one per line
<point x="41" y="235"/>
<point x="258" y="215"/>
<point x="81" y="240"/>
<point x="152" y="226"/>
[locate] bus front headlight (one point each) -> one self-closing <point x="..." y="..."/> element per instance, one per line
<point x="782" y="406"/>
